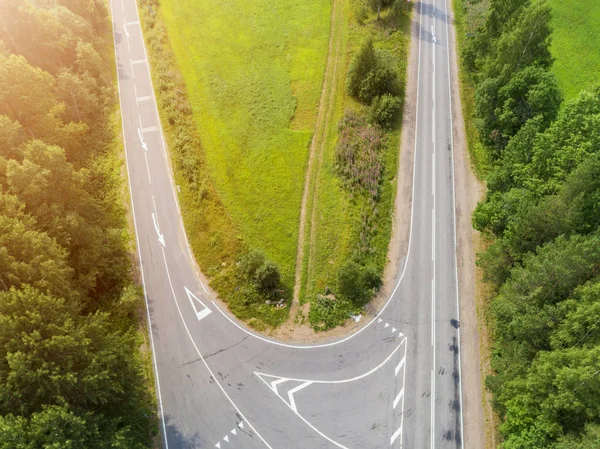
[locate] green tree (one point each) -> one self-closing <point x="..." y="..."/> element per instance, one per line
<point x="523" y="43"/>
<point x="57" y="196"/>
<point x="50" y="354"/>
<point x="504" y="106"/>
<point x="28" y="256"/>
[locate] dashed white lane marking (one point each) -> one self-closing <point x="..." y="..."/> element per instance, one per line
<point x="396" y="435"/>
<point x="398" y="397"/>
<point x="141" y="99"/>
<point x="147" y="167"/>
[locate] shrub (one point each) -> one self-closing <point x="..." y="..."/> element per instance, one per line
<point x="261" y="273"/>
<point x="361" y="65"/>
<point x="359" y="158"/>
<point x="250" y="263"/>
<point x="371" y="74"/>
<point x="268" y="277"/>
<point x="357" y="283"/>
<point x="384" y="110"/>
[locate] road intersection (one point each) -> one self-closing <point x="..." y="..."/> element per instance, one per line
<point x="394" y="383"/>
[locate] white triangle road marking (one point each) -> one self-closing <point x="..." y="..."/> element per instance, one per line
<point x="204" y="311"/>
<point x="226" y="438"/>
<point x="234" y="432"/>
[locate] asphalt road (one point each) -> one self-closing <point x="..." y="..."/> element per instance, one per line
<point x="395" y="383"/>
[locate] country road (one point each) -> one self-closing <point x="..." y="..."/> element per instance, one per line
<point x="394" y="383"/>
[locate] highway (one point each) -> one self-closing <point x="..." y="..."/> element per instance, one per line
<point x="395" y="383"/>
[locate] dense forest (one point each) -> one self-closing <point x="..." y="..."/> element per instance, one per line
<point x="541" y="217"/>
<point x="71" y="371"/>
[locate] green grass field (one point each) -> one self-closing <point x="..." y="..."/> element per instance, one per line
<point x="576" y="44"/>
<point x="336" y="215"/>
<point x="253" y="72"/>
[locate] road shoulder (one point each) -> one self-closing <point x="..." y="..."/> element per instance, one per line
<point x="469" y="191"/>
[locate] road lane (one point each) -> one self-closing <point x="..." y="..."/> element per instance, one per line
<point x="405" y="388"/>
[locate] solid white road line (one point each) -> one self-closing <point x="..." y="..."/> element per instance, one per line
<point x="462" y="426"/>
<point x="262" y="376"/>
<point x="433" y="170"/>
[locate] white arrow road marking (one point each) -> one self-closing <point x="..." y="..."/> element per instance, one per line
<point x="144" y="146"/>
<point x="203" y="313"/>
<point x="161" y="237"/>
<point x="433" y="34"/>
